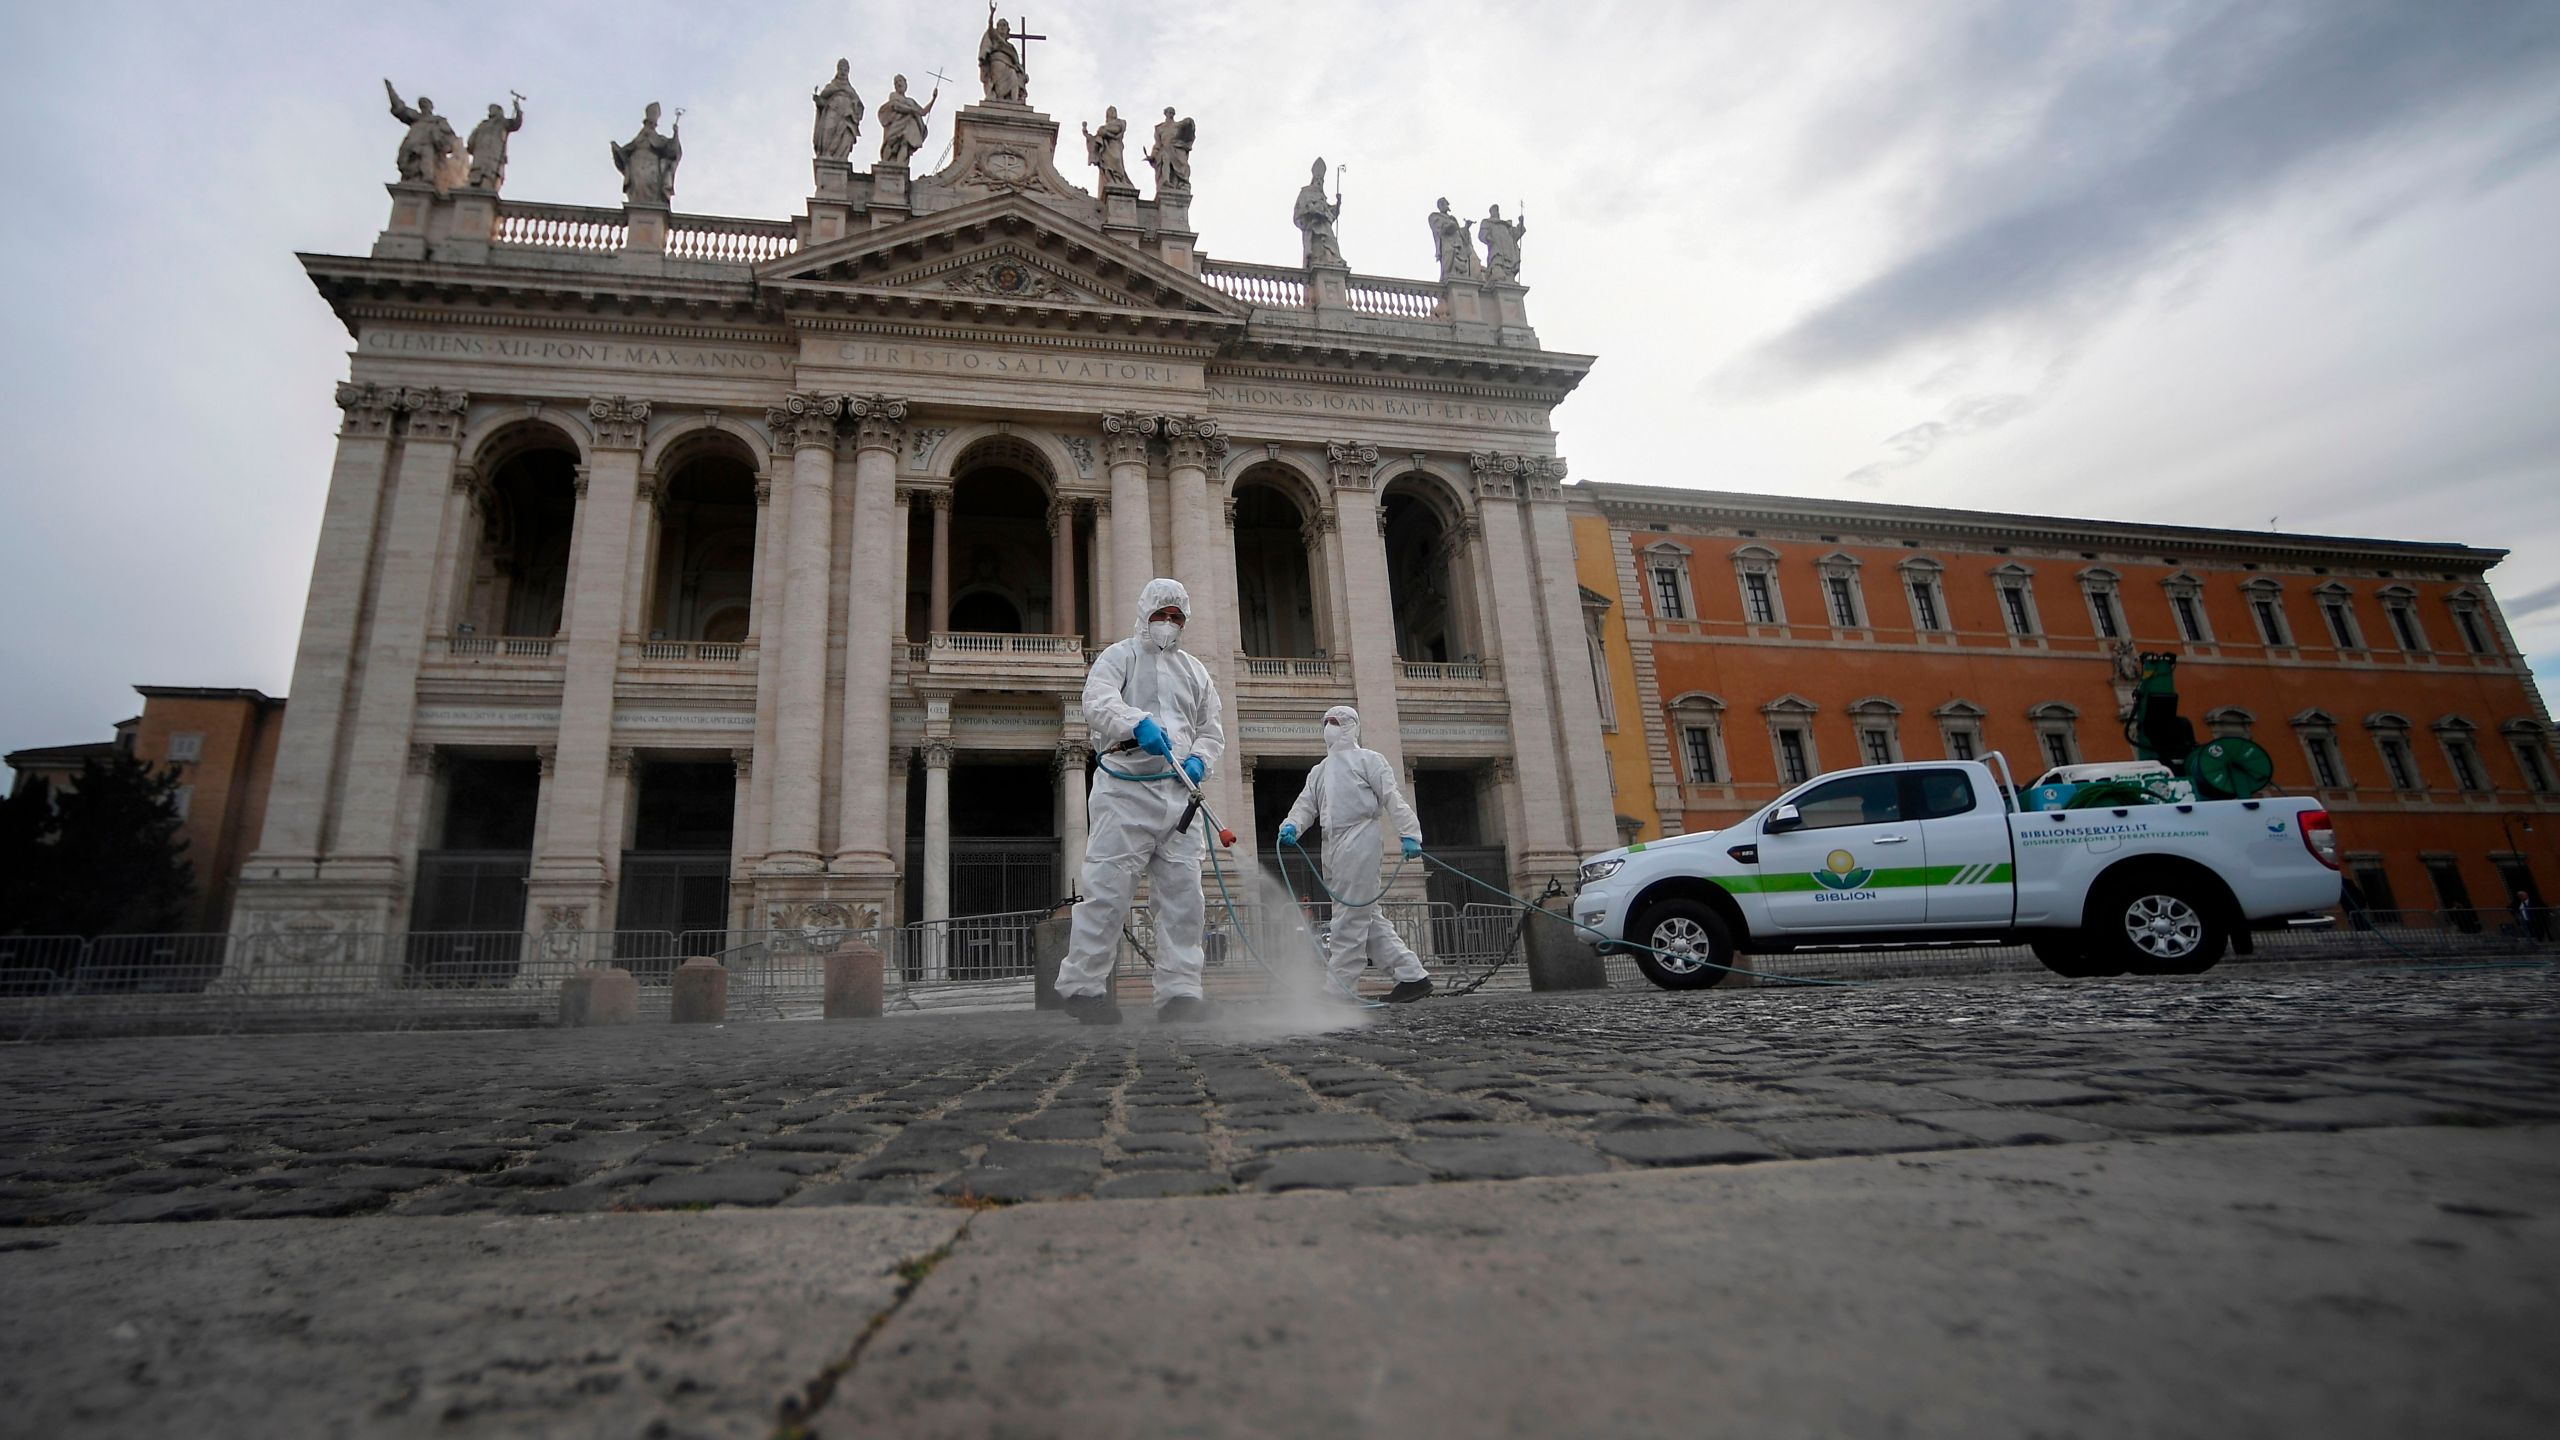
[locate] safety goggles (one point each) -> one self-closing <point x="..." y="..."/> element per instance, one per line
<point x="1168" y="612"/>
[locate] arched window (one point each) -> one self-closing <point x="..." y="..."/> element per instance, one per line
<point x="2266" y="606"/>
<point x="1843" y="599"/>
<point x="2227" y="722"/>
<point x="2318" y="732"/>
<point x="1878" y="725"/>
<point x="1755" y="569"/>
<point x="2461" y="755"/>
<point x="2338" y="615"/>
<point x="2016" y="587"/>
<point x="1425" y="544"/>
<point x="2057" y="727"/>
<point x="2102" y="588"/>
<point x="2186" y="605"/>
<point x="1960" y="728"/>
<point x="2391" y="741"/>
<point x="1791" y="738"/>
<point x="703" y="568"/>
<point x="518" y="579"/>
<point x="2530" y="739"/>
<point x="2400" y="607"/>
<point x="1276" y="607"/>
<point x="1923" y="584"/>
<point x="994" y="568"/>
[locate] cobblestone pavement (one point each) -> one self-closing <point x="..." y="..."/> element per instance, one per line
<point x="1027" y="1107"/>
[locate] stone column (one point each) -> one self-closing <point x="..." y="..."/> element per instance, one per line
<point x="640" y="572"/>
<point x="387" y="698"/>
<point x="763" y="605"/>
<point x="1368" y="603"/>
<point x="741" y="845"/>
<point x="939" y="612"/>
<point x="1069" y="761"/>
<point x="1199" y="540"/>
<point x="1062" y="568"/>
<point x="1133" y="546"/>
<point x="574" y="866"/>
<point x="864" y="845"/>
<point x="453" y="551"/>
<point x="1583" y="761"/>
<point x="808" y="420"/>
<point x="937" y="853"/>
<point x="900" y="526"/>
<point x="1106" y="586"/>
<point x="323" y="661"/>
<point x="1324" y="582"/>
<point x="1545" y="840"/>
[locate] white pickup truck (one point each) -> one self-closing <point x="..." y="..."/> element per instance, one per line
<point x="1931" y="853"/>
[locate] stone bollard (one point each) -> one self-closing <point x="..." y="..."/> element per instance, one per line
<point x="1048" y="951"/>
<point x="853" y="983"/>
<point x="1560" y="957"/>
<point x="701" y="992"/>
<point x="602" y="995"/>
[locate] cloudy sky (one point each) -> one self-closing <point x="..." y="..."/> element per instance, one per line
<point x="2233" y="262"/>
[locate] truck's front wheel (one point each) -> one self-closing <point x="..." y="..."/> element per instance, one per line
<point x="1687" y="945"/>
<point x="2155" y="926"/>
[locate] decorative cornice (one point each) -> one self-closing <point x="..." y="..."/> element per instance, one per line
<point x="434" y="412"/>
<point x="880" y="422"/>
<point x="1193" y="440"/>
<point x="1354" y="463"/>
<point x="1124" y="437"/>
<point x="805" y="420"/>
<point x="619" y="422"/>
<point x="934" y="754"/>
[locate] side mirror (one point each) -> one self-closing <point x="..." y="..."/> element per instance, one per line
<point x="1782" y="820"/>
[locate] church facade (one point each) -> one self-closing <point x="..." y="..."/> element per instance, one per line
<point x="700" y="574"/>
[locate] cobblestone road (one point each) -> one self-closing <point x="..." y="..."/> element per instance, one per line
<point x="1029" y="1107"/>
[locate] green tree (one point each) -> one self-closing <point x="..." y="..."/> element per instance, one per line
<point x="104" y="858"/>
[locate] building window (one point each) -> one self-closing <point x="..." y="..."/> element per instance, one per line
<point x="2057" y="732"/>
<point x="2106" y="612"/>
<point x="1756" y="569"/>
<point x="2319" y="732"/>
<point x="1961" y="743"/>
<point x="1595" y="624"/>
<point x="2337" y="610"/>
<point x="2465" y="760"/>
<point x="1928" y="597"/>
<point x="2373" y="889"/>
<point x="1668" y="600"/>
<point x="2532" y="746"/>
<point x="1840" y="591"/>
<point x="2186" y="602"/>
<point x="2266" y="605"/>
<point x="1960" y="726"/>
<point x="2229" y="722"/>
<point x="2397" y="760"/>
<point x="2467" y="624"/>
<point x="1876" y="745"/>
<point x="186" y="747"/>
<point x="1878" y="724"/>
<point x="1795" y="763"/>
<point x="2452" y="896"/>
<point x="182" y="800"/>
<point x="1700" y="745"/>
<point x="2018" y="604"/>
<point x="2400" y="606"/>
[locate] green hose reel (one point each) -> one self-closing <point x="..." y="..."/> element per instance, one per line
<point x="2230" y="768"/>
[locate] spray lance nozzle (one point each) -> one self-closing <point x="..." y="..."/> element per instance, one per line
<point x="1199" y="802"/>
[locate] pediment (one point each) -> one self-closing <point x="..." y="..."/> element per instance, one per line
<point x="1003" y="250"/>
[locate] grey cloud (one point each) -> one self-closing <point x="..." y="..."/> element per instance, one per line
<point x="1967" y="416"/>
<point x="2532" y="602"/>
<point x="2140" y="148"/>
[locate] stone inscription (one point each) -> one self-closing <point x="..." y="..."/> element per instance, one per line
<point x="684" y="720"/>
<point x="459" y="715"/>
<point x="1006" y="365"/>
<point x="1385" y="407"/>
<point x="618" y="354"/>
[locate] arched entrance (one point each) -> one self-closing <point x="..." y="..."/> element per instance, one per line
<point x="703" y="569"/>
<point x="1276" y="601"/>
<point x="1431" y="593"/>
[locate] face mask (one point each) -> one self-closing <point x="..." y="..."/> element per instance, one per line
<point x="1341" y="737"/>
<point x="1164" y="634"/>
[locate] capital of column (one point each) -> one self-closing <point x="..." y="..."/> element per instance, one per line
<point x="619" y="422"/>
<point x="743" y="762"/>
<point x="1231" y="512"/>
<point x="1069" y="758"/>
<point x="578" y="482"/>
<point x="806" y="419"/>
<point x="1504" y="770"/>
<point x="935" y="754"/>
<point x="764" y="490"/>
<point x="619" y="760"/>
<point x="935" y="497"/>
<point x="1097" y="507"/>
<point x="369" y="409"/>
<point x="1124" y="437"/>
<point x="545" y="757"/>
<point x="424" y="760"/>
<point x="466" y="483"/>
<point x="1545" y="476"/>
<point x="880" y="423"/>
<point x="1354" y="463"/>
<point x="1061" y="513"/>
<point x="1194" y="440"/>
<point x="434" y="412"/>
<point x="1498" y="476"/>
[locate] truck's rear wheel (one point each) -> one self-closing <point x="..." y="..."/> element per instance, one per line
<point x="2069" y="956"/>
<point x="2155" y="926"/>
<point x="1687" y="945"/>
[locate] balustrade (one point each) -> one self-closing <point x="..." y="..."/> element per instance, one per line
<point x="1403" y="299"/>
<point x="728" y="239"/>
<point x="1265" y="285"/>
<point x="536" y="226"/>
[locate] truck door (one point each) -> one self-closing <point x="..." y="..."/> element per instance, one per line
<point x="1967" y="834"/>
<point x="1850" y="861"/>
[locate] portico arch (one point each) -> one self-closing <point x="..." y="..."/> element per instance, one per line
<point x="1279" y="603"/>
<point x="999" y="549"/>
<point x="701" y="582"/>
<point x="1430" y="568"/>
<point x="512" y="567"/>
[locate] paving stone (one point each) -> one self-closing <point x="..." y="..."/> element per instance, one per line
<point x="1145" y="1122"/>
<point x="830" y="1142"/>
<point x="1335" y="1170"/>
<point x="178" y="1205"/>
<point x="726" y="1186"/>
<point x="2156" y="1119"/>
<point x="316" y="1202"/>
<point x="2343" y="1112"/>
<point x="1556" y="1102"/>
<point x="1024" y="1155"/>
<point x="2014" y="1127"/>
<point x="1503" y="1159"/>
<point x="1063" y="1125"/>
<point x="2021" y="1091"/>
<point x="1855" y="1135"/>
<point x="1164" y="1184"/>
<point x="1013" y="1186"/>
<point x="1685" y="1145"/>
<point x="1410" y="1106"/>
<point x="1326" y="1129"/>
<point x="1164" y="1144"/>
<point x="538" y="1173"/>
<point x="145" y="1182"/>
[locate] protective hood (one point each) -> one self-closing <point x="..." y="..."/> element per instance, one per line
<point x="1344" y="735"/>
<point x="1158" y="594"/>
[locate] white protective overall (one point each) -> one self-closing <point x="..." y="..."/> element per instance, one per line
<point x="1132" y="820"/>
<point x="1346" y="793"/>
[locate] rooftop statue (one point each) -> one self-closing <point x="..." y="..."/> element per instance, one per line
<point x="902" y="124"/>
<point x="839" y="122"/>
<point x="1315" y="216"/>
<point x="1456" y="247"/>
<point x="1171" y="154"/>
<point x="1502" y="245"/>
<point x="489" y="146"/>
<point x="1000" y="64"/>
<point x="428" y="141"/>
<point x="648" y="163"/>
<point x="1104" y="150"/>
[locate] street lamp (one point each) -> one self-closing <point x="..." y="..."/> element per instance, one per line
<point x="2507" y="822"/>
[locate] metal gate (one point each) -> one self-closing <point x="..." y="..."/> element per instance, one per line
<point x="1488" y="863"/>
<point x="467" y="927"/>
<point x="991" y="877"/>
<point x="684" y="896"/>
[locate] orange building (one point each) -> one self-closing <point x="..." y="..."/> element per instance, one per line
<point x="1750" y="641"/>
<point x="222" y="744"/>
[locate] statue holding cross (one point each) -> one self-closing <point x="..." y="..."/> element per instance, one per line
<point x="1000" y="66"/>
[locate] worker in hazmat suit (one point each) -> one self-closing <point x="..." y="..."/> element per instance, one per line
<point x="1346" y="793"/>
<point x="1154" y="716"/>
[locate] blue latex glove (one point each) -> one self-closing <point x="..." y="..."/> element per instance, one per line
<point x="1412" y="848"/>
<point x="1288" y="833"/>
<point x="1195" y="767"/>
<point x="1151" y="737"/>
